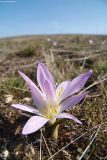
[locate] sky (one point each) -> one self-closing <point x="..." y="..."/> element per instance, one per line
<point x="27" y="17"/>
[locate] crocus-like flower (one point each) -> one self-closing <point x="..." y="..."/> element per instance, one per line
<point x="51" y="101"/>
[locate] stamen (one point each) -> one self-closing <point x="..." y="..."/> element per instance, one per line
<point x="53" y="110"/>
<point x="49" y="116"/>
<point x="59" y="92"/>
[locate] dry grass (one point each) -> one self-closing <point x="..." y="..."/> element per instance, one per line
<point x="66" y="57"/>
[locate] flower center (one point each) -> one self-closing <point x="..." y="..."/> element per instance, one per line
<point x="52" y="112"/>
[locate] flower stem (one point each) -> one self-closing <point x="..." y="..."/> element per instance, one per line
<point x="54" y="132"/>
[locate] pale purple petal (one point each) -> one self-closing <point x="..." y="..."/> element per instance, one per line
<point x="34" y="124"/>
<point x="71" y="101"/>
<point x="36" y="93"/>
<point x="68" y="116"/>
<point x="28" y="80"/>
<point x="25" y="108"/>
<point x="50" y="93"/>
<point x="75" y="85"/>
<point x="42" y="75"/>
<point x="38" y="100"/>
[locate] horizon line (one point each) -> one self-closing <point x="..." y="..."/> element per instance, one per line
<point x="52" y="34"/>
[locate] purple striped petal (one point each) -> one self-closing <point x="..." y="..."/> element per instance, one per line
<point x="42" y="75"/>
<point x="25" y="108"/>
<point x="71" y="101"/>
<point x="36" y="93"/>
<point x="34" y="124"/>
<point x="49" y="92"/>
<point x="75" y="85"/>
<point x="68" y="116"/>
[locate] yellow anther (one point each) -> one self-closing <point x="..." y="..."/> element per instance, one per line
<point x="59" y="92"/>
<point x="53" y="110"/>
<point x="49" y="116"/>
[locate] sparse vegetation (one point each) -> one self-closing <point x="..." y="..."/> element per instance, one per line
<point x="27" y="52"/>
<point x="71" y="56"/>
